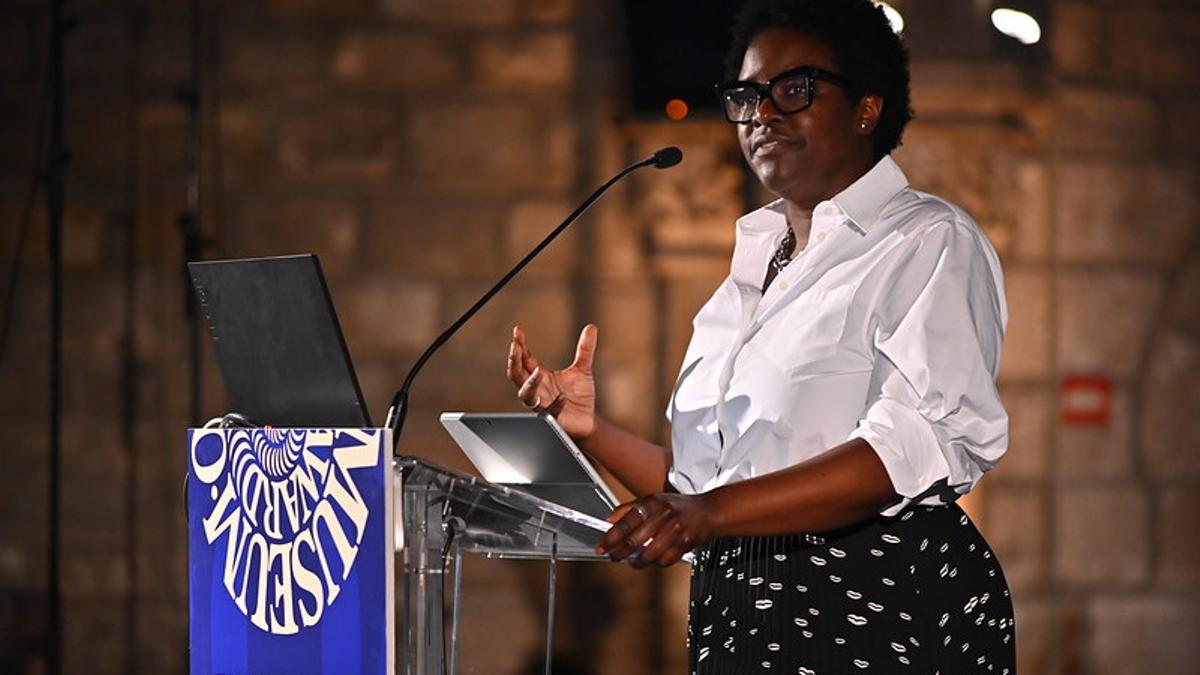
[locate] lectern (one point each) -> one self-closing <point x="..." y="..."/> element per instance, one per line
<point x="446" y="513"/>
<point x="296" y="537"/>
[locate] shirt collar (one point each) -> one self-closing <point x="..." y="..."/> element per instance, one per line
<point x="764" y="220"/>
<point x="861" y="202"/>
<point x="865" y="198"/>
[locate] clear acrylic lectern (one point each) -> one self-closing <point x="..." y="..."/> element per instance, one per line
<point x="443" y="514"/>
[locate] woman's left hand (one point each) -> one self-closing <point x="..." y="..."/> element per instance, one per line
<point x="673" y="524"/>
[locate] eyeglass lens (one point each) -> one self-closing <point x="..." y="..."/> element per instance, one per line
<point x="789" y="95"/>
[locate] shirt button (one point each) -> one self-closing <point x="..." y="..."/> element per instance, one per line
<point x="783" y="285"/>
<point x="820" y="236"/>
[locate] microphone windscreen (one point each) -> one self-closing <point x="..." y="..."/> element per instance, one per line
<point x="667" y="157"/>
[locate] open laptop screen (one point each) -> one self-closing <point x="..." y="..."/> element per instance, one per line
<point x="278" y="342"/>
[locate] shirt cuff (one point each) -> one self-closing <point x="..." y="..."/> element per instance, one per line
<point x="908" y="448"/>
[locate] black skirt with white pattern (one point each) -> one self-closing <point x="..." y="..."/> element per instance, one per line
<point x="921" y="593"/>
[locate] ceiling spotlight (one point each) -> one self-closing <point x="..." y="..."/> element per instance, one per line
<point x="893" y="16"/>
<point x="1017" y="25"/>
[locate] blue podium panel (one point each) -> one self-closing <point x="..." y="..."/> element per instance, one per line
<point x="290" y="551"/>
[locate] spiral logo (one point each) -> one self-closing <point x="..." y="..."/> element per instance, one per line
<point x="286" y="507"/>
<point x="278" y="450"/>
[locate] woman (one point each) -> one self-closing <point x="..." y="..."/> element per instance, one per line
<point x="839" y="390"/>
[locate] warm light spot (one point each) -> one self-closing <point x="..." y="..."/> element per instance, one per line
<point x="893" y="16"/>
<point x="676" y="109"/>
<point x="1019" y="25"/>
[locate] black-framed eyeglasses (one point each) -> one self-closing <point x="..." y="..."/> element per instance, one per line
<point x="791" y="91"/>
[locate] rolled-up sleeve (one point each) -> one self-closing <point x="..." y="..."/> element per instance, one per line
<point x="933" y="415"/>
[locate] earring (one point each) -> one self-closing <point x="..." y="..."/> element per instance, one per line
<point x="863" y="125"/>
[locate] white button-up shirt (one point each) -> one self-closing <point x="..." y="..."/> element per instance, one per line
<point x="887" y="327"/>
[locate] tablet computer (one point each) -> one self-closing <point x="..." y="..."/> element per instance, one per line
<point x="531" y="452"/>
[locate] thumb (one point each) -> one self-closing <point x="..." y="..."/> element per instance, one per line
<point x="585" y="351"/>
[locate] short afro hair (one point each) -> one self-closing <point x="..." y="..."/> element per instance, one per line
<point x="865" y="49"/>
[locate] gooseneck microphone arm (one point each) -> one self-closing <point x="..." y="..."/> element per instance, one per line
<point x="663" y="159"/>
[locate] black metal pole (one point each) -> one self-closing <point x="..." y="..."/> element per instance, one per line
<point x="54" y="207"/>
<point x="190" y="220"/>
<point x="135" y="18"/>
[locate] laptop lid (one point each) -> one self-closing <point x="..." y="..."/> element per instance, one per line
<point x="530" y="451"/>
<point x="278" y="342"/>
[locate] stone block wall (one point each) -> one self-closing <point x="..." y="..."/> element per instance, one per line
<point x="1113" y="596"/>
<point x="420" y="148"/>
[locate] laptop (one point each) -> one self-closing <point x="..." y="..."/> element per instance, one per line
<point x="278" y="342"/>
<point x="531" y="452"/>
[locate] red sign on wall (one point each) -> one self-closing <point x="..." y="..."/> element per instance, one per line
<point x="1085" y="400"/>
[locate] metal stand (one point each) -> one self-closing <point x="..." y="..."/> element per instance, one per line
<point x="424" y="541"/>
<point x="191" y="218"/>
<point x="55" y="201"/>
<point x="446" y="514"/>
<point x="455" y="610"/>
<point x="551" y="582"/>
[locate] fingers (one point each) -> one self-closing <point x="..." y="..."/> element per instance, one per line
<point x="655" y="530"/>
<point x="515" y="368"/>
<point x="585" y="351"/>
<point x="621" y="526"/>
<point x="667" y="548"/>
<point x="526" y="358"/>
<point x="543" y="392"/>
<point x="521" y="362"/>
<point x="528" y="391"/>
<point x="653" y="537"/>
<point x="633" y="525"/>
<point x="557" y="404"/>
<point x="618" y="542"/>
<point x="619" y="512"/>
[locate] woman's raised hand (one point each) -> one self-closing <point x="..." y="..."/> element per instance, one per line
<point x="568" y="394"/>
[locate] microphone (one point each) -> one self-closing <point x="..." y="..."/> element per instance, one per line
<point x="667" y="157"/>
<point x="398" y="410"/>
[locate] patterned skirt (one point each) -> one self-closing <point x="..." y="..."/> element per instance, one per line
<point x="922" y="593"/>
